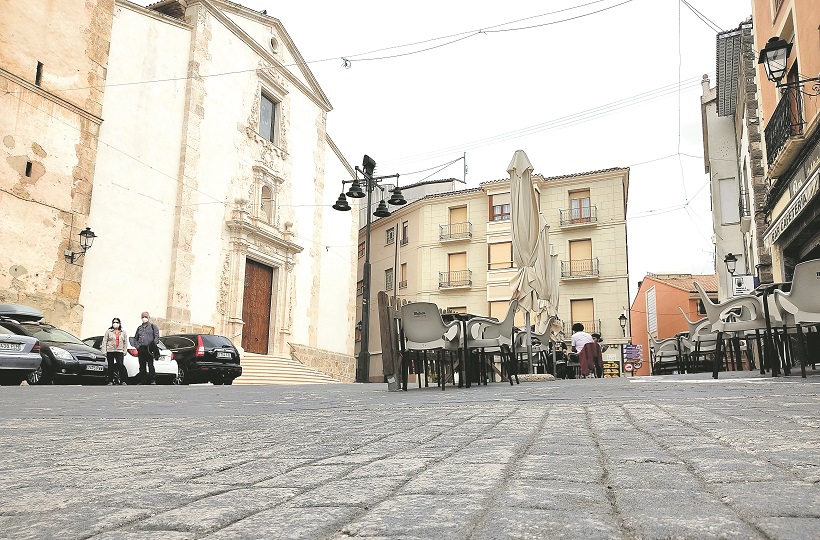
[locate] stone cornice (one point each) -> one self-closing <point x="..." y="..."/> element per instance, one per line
<point x="40" y="91"/>
<point x="315" y="94"/>
<point x="153" y="14"/>
<point x="244" y="226"/>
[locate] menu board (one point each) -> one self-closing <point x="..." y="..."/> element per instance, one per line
<point x="612" y="367"/>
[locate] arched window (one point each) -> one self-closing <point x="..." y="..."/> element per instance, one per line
<point x="266" y="207"/>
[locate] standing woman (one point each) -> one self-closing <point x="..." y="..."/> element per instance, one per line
<point x="114" y="346"/>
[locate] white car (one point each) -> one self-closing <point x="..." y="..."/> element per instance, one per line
<point x="166" y="367"/>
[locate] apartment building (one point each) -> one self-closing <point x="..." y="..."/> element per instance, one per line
<point x="790" y="111"/>
<point x="733" y="158"/>
<point x="455" y="249"/>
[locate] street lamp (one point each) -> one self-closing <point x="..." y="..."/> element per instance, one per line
<point x="87" y="237"/>
<point x="774" y="57"/>
<point x="356" y="191"/>
<point x="731" y="263"/>
<point x="622" y="321"/>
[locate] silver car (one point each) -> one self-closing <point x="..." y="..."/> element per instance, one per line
<point x="19" y="356"/>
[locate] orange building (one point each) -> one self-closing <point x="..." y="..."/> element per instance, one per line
<point x="656" y="309"/>
<point x="790" y="111"/>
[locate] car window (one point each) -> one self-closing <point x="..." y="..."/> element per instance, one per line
<point x="7" y="330"/>
<point x="215" y="341"/>
<point x="92" y="342"/>
<point x="177" y="342"/>
<point x="55" y="335"/>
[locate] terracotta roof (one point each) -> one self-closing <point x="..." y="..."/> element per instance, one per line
<point x="686" y="282"/>
<point x="559" y="177"/>
<point x="449" y="193"/>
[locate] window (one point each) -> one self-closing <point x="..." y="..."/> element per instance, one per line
<point x="457" y="309"/>
<point x="391" y="236"/>
<point x="38" y="75"/>
<point x="579" y="203"/>
<point x="500" y="207"/>
<point x="580" y="258"/>
<point x="403" y="274"/>
<point x="499" y="256"/>
<point x="388" y="279"/>
<point x="652" y="312"/>
<point x="267" y="118"/>
<point x="583" y="311"/>
<point x="498" y="310"/>
<point x="729" y="211"/>
<point x="361" y="249"/>
<point x="405" y="232"/>
<point x="358" y="333"/>
<point x="701" y="308"/>
<point x="359" y="287"/>
<point x="266" y="205"/>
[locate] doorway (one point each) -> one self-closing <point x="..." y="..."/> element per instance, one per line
<point x="256" y="307"/>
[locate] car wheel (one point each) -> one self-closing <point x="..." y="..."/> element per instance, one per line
<point x="178" y="378"/>
<point x="217" y="382"/>
<point x="37" y="377"/>
<point x="228" y="381"/>
<point x="182" y="376"/>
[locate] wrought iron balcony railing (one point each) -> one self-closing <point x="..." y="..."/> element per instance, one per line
<point x="579" y="268"/>
<point x="590" y="327"/>
<point x="743" y="204"/>
<point x="786" y="122"/>
<point x="455" y="231"/>
<point x="455" y="278"/>
<point x="579" y="216"/>
<point x="403" y="284"/>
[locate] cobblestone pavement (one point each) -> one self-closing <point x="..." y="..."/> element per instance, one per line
<point x="667" y="457"/>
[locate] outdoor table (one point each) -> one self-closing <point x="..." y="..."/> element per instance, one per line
<point x="764" y="289"/>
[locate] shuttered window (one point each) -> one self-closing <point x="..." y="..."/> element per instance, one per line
<point x="651" y="312"/>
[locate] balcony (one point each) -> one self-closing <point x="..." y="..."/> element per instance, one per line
<point x="785" y="126"/>
<point x="456" y="279"/>
<point x="572" y="217"/>
<point x="579" y="268"/>
<point x="590" y="327"/>
<point x="455" y="231"/>
<point x="403" y="284"/>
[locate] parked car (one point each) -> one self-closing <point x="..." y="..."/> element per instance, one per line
<point x="19" y="356"/>
<point x="204" y="358"/>
<point x="166" y="368"/>
<point x="64" y="357"/>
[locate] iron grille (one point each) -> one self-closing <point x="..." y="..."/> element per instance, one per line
<point x="455" y="278"/>
<point x="590" y="327"/>
<point x="786" y="122"/>
<point x="579" y="268"/>
<point x="455" y="231"/>
<point x="579" y="216"/>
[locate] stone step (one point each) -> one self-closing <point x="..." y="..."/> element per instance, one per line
<point x="260" y="369"/>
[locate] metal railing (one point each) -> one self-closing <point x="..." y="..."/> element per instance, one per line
<point x="403" y="284"/>
<point x="579" y="268"/>
<point x="743" y="204"/>
<point x="786" y="122"/>
<point x="404" y="240"/>
<point x="590" y="327"/>
<point x="579" y="216"/>
<point x="455" y="278"/>
<point x="455" y="231"/>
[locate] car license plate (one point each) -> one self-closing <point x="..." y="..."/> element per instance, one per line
<point x="11" y="346"/>
<point x="94" y="368"/>
<point x="223" y="355"/>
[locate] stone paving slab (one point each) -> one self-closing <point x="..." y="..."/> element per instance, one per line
<point x="662" y="457"/>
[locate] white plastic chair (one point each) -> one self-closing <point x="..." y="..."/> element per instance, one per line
<point x="491" y="337"/>
<point x="698" y="341"/>
<point x="424" y="330"/>
<point x="802" y="302"/>
<point x="736" y="316"/>
<point x="541" y="349"/>
<point x="662" y="351"/>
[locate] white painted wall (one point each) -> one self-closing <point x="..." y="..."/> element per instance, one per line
<point x="137" y="170"/>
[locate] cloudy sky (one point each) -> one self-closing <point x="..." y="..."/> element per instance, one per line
<point x="579" y="85"/>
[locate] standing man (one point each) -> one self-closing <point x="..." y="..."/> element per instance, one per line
<point x="146" y="336"/>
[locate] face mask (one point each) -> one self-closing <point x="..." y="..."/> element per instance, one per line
<point x="145" y="319"/>
<point x="116" y="325"/>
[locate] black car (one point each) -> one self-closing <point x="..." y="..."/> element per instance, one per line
<point x="204" y="358"/>
<point x="64" y="357"/>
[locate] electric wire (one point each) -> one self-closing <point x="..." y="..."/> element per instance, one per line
<point x="702" y="17"/>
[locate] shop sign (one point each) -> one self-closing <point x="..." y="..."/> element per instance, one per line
<point x="742" y="285"/>
<point x="795" y="207"/>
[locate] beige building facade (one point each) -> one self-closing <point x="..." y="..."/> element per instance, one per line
<point x="455" y="249"/>
<point x="51" y="94"/>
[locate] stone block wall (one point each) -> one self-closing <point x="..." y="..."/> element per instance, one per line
<point x="339" y="366"/>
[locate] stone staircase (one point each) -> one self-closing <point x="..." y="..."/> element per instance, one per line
<point x="260" y="369"/>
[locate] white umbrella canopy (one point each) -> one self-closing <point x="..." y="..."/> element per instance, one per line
<point x="530" y="240"/>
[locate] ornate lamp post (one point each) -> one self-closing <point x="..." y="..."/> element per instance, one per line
<point x="774" y="57"/>
<point x="87" y="237"/>
<point x="622" y="322"/>
<point x="731" y="263"/>
<point x="356" y="192"/>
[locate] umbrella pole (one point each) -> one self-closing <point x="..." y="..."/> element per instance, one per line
<point x="529" y="340"/>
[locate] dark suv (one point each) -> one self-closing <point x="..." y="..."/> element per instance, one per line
<point x="65" y="357"/>
<point x="204" y="358"/>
